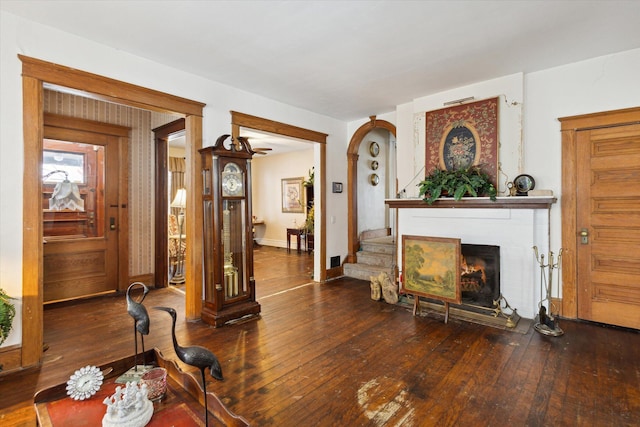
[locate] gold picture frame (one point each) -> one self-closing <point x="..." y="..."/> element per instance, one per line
<point x="292" y="195"/>
<point x="431" y="269"/>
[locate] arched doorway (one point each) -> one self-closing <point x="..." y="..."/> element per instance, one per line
<point x="352" y="181"/>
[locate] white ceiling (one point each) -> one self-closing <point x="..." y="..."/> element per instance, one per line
<point x="348" y="59"/>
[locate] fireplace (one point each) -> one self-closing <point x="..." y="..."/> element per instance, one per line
<point x="479" y="275"/>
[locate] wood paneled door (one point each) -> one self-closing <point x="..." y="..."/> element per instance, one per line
<point x="81" y="239"/>
<point x="601" y="217"/>
<point x="608" y="220"/>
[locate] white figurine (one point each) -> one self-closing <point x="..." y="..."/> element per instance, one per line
<point x="128" y="407"/>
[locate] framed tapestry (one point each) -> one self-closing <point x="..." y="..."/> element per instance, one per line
<point x="291" y="195"/>
<point x="462" y="136"/>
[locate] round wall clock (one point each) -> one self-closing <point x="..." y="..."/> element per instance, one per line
<point x="374" y="178"/>
<point x="374" y="149"/>
<point x="374" y="164"/>
<point x="523" y="184"/>
<point x="84" y="382"/>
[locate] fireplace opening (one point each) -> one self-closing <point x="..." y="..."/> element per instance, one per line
<point x="480" y="275"/>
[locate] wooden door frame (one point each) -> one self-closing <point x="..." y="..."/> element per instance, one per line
<point x="239" y="120"/>
<point x="352" y="181"/>
<point x="35" y="73"/>
<point x="570" y="126"/>
<point x="161" y="136"/>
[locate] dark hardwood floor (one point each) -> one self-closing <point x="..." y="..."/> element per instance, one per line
<point x="327" y="355"/>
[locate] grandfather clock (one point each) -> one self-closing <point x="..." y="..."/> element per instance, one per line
<point x="229" y="285"/>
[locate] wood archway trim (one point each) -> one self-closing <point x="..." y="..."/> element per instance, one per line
<point x="352" y="180"/>
<point x="239" y="120"/>
<point x="570" y="126"/>
<point x="35" y="73"/>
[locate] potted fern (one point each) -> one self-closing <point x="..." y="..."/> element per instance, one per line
<point x="471" y="181"/>
<point x="7" y="313"/>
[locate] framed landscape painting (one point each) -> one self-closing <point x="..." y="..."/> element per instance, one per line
<point x="464" y="135"/>
<point x="431" y="267"/>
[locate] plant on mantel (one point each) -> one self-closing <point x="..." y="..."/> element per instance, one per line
<point x="7" y="313"/>
<point x="471" y="181"/>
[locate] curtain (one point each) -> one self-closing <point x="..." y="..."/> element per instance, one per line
<point x="177" y="167"/>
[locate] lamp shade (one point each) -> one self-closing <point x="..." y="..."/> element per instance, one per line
<point x="180" y="201"/>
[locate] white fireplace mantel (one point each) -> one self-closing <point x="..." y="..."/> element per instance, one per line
<point x="516" y="224"/>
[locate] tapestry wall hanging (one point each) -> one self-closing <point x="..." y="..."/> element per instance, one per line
<point x="462" y="136"/>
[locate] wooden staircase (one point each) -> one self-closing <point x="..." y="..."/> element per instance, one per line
<point x="375" y="256"/>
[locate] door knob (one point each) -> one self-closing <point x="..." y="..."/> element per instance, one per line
<point x="584" y="236"/>
<point x="112" y="223"/>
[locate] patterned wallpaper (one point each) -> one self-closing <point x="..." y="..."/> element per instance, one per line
<point x="141" y="155"/>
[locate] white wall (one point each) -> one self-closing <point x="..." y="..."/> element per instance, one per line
<point x="19" y="36"/>
<point x="371" y="207"/>
<point x="411" y="135"/>
<point x="605" y="83"/>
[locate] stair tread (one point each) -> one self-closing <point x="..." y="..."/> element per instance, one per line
<point x="376" y="255"/>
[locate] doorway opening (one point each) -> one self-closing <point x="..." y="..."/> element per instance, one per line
<point x="170" y="172"/>
<point x="35" y="74"/>
<point x="352" y="185"/>
<point x="240" y="121"/>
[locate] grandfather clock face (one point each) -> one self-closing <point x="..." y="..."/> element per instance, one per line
<point x="232" y="181"/>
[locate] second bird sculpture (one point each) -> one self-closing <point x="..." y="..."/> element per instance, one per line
<point x="197" y="356"/>
<point x="140" y="319"/>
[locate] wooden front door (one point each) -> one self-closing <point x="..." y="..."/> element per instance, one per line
<point x="608" y="225"/>
<point x="80" y="236"/>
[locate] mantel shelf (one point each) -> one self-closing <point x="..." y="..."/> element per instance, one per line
<point x="516" y="202"/>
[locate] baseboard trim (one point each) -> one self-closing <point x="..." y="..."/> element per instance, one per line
<point x="10" y="359"/>
<point x="147" y="279"/>
<point x="335" y="272"/>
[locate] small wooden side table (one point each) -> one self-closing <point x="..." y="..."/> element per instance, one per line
<point x="293" y="232"/>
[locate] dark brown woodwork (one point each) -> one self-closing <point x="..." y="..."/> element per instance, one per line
<point x="161" y="136"/>
<point x="353" y="243"/>
<point x="476" y="203"/>
<point x="219" y="307"/>
<point x="34" y="74"/>
<point x="328" y="355"/>
<point x="570" y="126"/>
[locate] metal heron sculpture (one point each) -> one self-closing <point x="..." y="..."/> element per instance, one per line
<point x="197" y="356"/>
<point x="140" y="319"/>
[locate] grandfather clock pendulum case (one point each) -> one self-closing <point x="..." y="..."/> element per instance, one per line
<point x="229" y="285"/>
